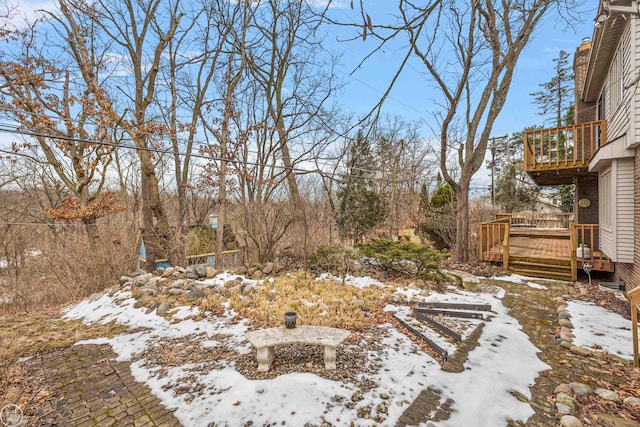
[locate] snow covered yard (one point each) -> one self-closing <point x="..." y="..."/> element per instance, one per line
<point x="200" y="365"/>
<point x="599" y="329"/>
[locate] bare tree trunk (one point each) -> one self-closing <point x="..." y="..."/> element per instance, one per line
<point x="93" y="236"/>
<point x="462" y="222"/>
<point x="152" y="208"/>
<point x="222" y="211"/>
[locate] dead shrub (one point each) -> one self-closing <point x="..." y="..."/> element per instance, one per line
<point x="67" y="270"/>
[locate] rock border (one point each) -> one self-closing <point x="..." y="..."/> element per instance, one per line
<point x="566" y="335"/>
<point x="564" y="394"/>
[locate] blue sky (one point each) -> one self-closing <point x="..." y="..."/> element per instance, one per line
<point x="410" y="96"/>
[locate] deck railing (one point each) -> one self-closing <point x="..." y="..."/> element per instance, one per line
<point x="586" y="242"/>
<point x="229" y="259"/>
<point x="585" y="248"/>
<point x="542" y="219"/>
<point x="492" y="234"/>
<point x="584" y="238"/>
<point x="563" y="147"/>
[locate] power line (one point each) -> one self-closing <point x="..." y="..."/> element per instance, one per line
<point x="170" y="150"/>
<point x="196" y="155"/>
<point x="58" y="224"/>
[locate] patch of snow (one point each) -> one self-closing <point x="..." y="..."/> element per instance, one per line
<point x="522" y="280"/>
<point x="600" y="329"/>
<point x="209" y="343"/>
<point x="505" y="360"/>
<point x="106" y="309"/>
<point x="362" y="281"/>
<point x="226" y="276"/>
<point x="357" y="282"/>
<point x="184" y="312"/>
<point x="408" y="294"/>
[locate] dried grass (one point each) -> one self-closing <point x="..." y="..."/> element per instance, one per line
<point x="317" y="302"/>
<point x="68" y="270"/>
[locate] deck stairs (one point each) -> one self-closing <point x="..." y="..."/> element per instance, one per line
<point x="534" y="262"/>
<point x="542" y="245"/>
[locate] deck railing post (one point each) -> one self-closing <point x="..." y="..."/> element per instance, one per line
<point x="505" y="245"/>
<point x="481" y="241"/>
<point x="574" y="246"/>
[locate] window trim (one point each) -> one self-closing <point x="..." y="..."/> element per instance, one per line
<point x="606" y="200"/>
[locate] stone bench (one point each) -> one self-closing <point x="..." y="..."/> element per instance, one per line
<point x="265" y="340"/>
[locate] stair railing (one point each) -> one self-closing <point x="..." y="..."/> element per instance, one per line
<point x="505" y="245"/>
<point x="493" y="233"/>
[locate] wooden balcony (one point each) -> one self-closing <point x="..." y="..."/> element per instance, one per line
<point x="542" y="245"/>
<point x="554" y="156"/>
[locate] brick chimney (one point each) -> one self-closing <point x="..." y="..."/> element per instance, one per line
<point x="584" y="111"/>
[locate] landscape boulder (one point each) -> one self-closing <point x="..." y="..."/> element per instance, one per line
<point x="195" y="292"/>
<point x="163" y="308"/>
<point x="581" y="389"/>
<point x="210" y="272"/>
<point x="607" y="394"/>
<point x="268" y="268"/>
<point x="570" y="421"/>
<point x="201" y="271"/>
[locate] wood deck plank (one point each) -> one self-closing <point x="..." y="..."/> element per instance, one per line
<point x="536" y="248"/>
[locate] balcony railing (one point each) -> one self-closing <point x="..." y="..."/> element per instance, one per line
<point x="565" y="147"/>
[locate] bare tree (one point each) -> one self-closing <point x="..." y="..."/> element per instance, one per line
<point x="294" y="79"/>
<point x="139" y="33"/>
<point x="227" y="136"/>
<point x="469" y="50"/>
<point x="63" y="118"/>
<point x="196" y="58"/>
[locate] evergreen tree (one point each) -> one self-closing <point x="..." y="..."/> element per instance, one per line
<point x="557" y="95"/>
<point x="556" y="103"/>
<point x="360" y="207"/>
<point x="514" y="189"/>
<point x="443" y="196"/>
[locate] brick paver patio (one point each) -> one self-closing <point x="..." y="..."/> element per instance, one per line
<point x="97" y="390"/>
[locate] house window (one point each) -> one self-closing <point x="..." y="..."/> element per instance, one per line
<point x="616" y="82"/>
<point x="600" y="111"/>
<point x="605" y="200"/>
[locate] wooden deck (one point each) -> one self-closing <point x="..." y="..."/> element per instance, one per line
<point x="541" y="245"/>
<point x="535" y="248"/>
